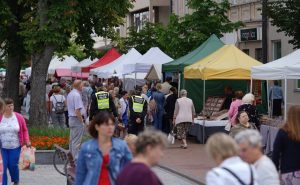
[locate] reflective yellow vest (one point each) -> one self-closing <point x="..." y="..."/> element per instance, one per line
<point x="138" y="104"/>
<point x="102" y="100"/>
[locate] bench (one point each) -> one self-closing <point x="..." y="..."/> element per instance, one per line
<point x="69" y="164"/>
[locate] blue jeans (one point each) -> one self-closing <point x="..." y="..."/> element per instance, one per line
<point x="158" y="119"/>
<point x="10" y="161"/>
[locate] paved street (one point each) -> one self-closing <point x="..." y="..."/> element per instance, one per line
<point x="46" y="175"/>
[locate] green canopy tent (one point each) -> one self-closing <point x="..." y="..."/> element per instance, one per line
<point x="209" y="46"/>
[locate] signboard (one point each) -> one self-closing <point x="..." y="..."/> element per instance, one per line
<point x="248" y="34"/>
<point x="257" y="91"/>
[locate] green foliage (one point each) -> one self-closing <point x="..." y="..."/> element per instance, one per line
<point x="286" y="16"/>
<point x="47" y="131"/>
<point x="74" y="50"/>
<point x="184" y="34"/>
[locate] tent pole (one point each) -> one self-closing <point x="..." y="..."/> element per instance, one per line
<point x="179" y="81"/>
<point x="203" y="94"/>
<point x="135" y="80"/>
<point x="251" y="85"/>
<point x="285" y="98"/>
<point x="268" y="97"/>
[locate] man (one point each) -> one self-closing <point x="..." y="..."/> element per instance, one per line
<point x="76" y="120"/>
<point x="138" y="110"/>
<point x="102" y="101"/>
<point x="275" y="96"/>
<point x="250" y="143"/>
<point x="166" y="86"/>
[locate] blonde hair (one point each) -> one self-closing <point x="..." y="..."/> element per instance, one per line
<point x="221" y="146"/>
<point x="292" y="126"/>
<point x="158" y="86"/>
<point x="151" y="138"/>
<point x="131" y="139"/>
<point x="248" y="98"/>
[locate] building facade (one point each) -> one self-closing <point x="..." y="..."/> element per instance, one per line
<point x="143" y="11"/>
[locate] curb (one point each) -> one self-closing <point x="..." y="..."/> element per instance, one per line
<point x="165" y="167"/>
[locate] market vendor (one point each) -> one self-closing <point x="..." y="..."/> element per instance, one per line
<point x="228" y="97"/>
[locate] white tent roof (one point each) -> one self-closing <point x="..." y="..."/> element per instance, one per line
<point x="286" y="67"/>
<point x="83" y="63"/>
<point x="61" y="63"/>
<point x="154" y="56"/>
<point x="115" y="68"/>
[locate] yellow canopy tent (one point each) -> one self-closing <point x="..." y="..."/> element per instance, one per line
<point x="228" y="62"/>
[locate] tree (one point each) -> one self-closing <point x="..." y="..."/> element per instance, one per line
<point x="285" y="15"/>
<point x="182" y="35"/>
<point x="47" y="26"/>
<point x="11" y="44"/>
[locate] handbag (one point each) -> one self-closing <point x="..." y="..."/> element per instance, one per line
<point x="171" y="138"/>
<point x="27" y="158"/>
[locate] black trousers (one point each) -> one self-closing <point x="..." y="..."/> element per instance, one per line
<point x="135" y="128"/>
<point x="277" y="107"/>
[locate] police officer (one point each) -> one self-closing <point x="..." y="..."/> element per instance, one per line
<point x="138" y="110"/>
<point x="102" y="101"/>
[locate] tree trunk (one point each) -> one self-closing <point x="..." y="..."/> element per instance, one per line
<point x="38" y="108"/>
<point x="11" y="84"/>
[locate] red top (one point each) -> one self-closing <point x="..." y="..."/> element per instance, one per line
<point x="104" y="176"/>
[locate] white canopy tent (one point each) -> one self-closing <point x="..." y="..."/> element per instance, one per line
<point x="115" y="68"/>
<point x="86" y="62"/>
<point x="61" y="63"/>
<point x="153" y="57"/>
<point x="287" y="67"/>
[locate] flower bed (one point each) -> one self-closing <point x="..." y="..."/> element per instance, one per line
<point x="44" y="138"/>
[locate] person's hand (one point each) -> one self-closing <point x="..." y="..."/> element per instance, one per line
<point x="138" y="120"/>
<point x="28" y="144"/>
<point x="174" y="121"/>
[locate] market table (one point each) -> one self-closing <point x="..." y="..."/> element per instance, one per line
<point x="210" y="127"/>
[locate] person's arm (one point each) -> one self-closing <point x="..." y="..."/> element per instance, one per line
<point x="50" y="105"/>
<point x="193" y="112"/>
<point x="175" y="111"/>
<point x="24" y="130"/>
<point x="145" y="109"/>
<point x="127" y="156"/>
<point x="231" y="110"/>
<point x="93" y="106"/>
<point x="277" y="148"/>
<point x="81" y="169"/>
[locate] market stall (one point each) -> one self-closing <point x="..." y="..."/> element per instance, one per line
<point x="154" y="56"/>
<point x="109" y="57"/>
<point x="83" y="63"/>
<point x="227" y="63"/>
<point x="66" y="62"/>
<point x="285" y="68"/>
<point x="68" y="73"/>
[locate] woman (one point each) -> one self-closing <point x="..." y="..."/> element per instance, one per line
<point x="13" y="135"/>
<point x="57" y="107"/>
<point x="233" y="110"/>
<point x="286" y="150"/>
<point x="248" y="105"/>
<point x="170" y="108"/>
<point x="124" y="112"/>
<point x="149" y="150"/>
<point x="243" y="123"/>
<point x="101" y="158"/>
<point x="231" y="169"/>
<point x="183" y="116"/>
<point x="159" y="99"/>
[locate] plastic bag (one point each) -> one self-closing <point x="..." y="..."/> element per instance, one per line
<point x="27" y="158"/>
<point x="171" y="138"/>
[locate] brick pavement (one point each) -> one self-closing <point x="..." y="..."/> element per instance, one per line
<point x="192" y="162"/>
<point x="46" y="175"/>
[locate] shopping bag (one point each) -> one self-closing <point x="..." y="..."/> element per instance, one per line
<point x="27" y="158"/>
<point x="171" y="138"/>
<point x="228" y="126"/>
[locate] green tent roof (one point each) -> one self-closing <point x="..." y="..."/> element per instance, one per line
<point x="209" y="46"/>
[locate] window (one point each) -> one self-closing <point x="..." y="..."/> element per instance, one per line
<point x="276" y="49"/>
<point x="258" y="54"/>
<point x="298" y="85"/>
<point x="246" y="51"/>
<point x="140" y="19"/>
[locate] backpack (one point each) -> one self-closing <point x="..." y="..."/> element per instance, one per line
<point x="59" y="107"/>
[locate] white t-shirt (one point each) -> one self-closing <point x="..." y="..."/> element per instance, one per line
<point x="267" y="172"/>
<point x="56" y="98"/>
<point x="9" y="132"/>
